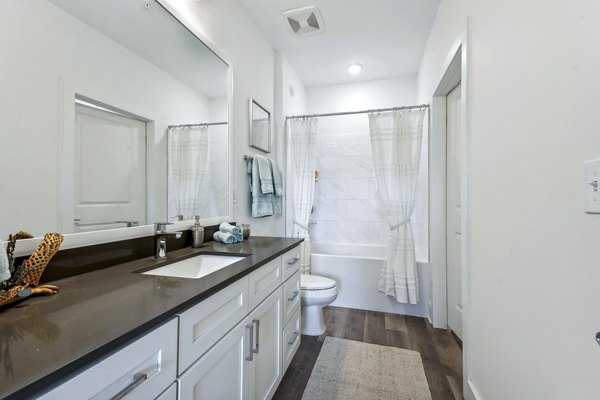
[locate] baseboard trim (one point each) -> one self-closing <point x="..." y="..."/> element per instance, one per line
<point x="470" y="392"/>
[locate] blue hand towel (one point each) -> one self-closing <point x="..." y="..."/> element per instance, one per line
<point x="277" y="182"/>
<point x="277" y="188"/>
<point x="262" y="205"/>
<point x="4" y="267"/>
<point x="265" y="175"/>
<point x="224" y="237"/>
<point x="228" y="228"/>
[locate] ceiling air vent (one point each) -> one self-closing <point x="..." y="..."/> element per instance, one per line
<point x="305" y="20"/>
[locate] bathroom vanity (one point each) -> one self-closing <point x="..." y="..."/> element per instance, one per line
<point x="121" y="332"/>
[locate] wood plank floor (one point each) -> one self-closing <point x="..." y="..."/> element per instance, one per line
<point x="440" y="352"/>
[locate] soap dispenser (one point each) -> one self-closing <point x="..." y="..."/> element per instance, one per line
<point x="197" y="234"/>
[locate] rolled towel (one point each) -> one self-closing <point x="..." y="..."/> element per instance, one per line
<point x="228" y="228"/>
<point x="224" y="237"/>
<point x="4" y="266"/>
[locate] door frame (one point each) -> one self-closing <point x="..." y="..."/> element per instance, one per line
<point x="455" y="70"/>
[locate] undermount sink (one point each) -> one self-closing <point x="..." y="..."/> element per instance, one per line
<point x="195" y="267"/>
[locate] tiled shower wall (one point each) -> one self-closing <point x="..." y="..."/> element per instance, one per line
<point x="345" y="206"/>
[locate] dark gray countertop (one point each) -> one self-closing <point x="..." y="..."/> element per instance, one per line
<point x="46" y="340"/>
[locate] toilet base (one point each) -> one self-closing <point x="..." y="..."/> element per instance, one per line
<point x="312" y="321"/>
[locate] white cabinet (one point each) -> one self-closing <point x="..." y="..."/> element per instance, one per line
<point x="222" y="373"/>
<point x="142" y="370"/>
<point x="291" y="339"/>
<point x="266" y="367"/>
<point x="291" y="297"/>
<point x="291" y="262"/>
<point x="169" y="394"/>
<point x="204" y="324"/>
<point x="245" y="364"/>
<point x="263" y="281"/>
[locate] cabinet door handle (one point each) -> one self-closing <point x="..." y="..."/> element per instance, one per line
<point x="257" y="322"/>
<point x="296" y="335"/>
<point x="250" y="356"/>
<point x="293" y="260"/>
<point x="296" y="293"/>
<point x="138" y="379"/>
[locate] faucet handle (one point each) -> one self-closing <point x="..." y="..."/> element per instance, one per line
<point x="161" y="227"/>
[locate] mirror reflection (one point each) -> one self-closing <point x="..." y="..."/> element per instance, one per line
<point x="260" y="127"/>
<point x="94" y="92"/>
<point x="198" y="170"/>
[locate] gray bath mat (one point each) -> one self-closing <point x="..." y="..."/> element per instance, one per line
<point x="346" y="369"/>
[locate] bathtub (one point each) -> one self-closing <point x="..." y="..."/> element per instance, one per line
<point x="356" y="270"/>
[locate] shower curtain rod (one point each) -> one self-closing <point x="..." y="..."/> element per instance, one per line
<point x="358" y="112"/>
<point x="193" y="125"/>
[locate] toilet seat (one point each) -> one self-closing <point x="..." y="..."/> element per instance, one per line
<point x="315" y="282"/>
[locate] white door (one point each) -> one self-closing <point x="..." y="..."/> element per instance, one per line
<point x="110" y="169"/>
<point x="453" y="210"/>
<point x="266" y="369"/>
<point x="222" y="373"/>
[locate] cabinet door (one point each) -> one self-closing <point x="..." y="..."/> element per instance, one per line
<point x="265" y="370"/>
<point x="169" y="394"/>
<point x="222" y="373"/>
<point x="291" y="262"/>
<point x="291" y="297"/>
<point x="291" y="339"/>
<point x="201" y="326"/>
<point x="263" y="281"/>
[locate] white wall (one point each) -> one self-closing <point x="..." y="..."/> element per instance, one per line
<point x="534" y="254"/>
<point x="287" y="104"/>
<point x="226" y="24"/>
<point x="43" y="45"/>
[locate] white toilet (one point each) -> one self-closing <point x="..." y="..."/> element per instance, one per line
<point x="317" y="292"/>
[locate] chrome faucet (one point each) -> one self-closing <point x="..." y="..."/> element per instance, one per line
<point x="160" y="239"/>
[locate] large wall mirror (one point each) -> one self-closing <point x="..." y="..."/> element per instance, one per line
<point x="113" y="115"/>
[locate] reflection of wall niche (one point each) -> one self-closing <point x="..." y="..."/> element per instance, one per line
<point x="260" y="127"/>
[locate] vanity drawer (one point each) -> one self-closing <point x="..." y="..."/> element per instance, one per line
<point x="201" y="326"/>
<point x="291" y="339"/>
<point x="291" y="262"/>
<point x="291" y="297"/>
<point x="264" y="281"/>
<point x="146" y="367"/>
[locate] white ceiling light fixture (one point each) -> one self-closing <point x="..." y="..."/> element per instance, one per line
<point x="304" y="21"/>
<point x="354" y="69"/>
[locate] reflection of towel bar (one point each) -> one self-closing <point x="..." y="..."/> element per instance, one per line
<point x="77" y="222"/>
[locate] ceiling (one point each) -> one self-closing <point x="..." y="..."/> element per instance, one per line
<point x="386" y="36"/>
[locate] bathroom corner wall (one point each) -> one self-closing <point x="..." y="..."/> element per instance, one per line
<point x="534" y="266"/>
<point x="290" y="99"/>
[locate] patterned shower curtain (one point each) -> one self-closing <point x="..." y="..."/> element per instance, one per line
<point x="302" y="140"/>
<point x="188" y="169"/>
<point x="396" y="149"/>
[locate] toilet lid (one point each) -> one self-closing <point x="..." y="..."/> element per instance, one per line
<point x="315" y="282"/>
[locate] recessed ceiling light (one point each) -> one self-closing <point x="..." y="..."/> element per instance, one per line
<point x="354" y="69"/>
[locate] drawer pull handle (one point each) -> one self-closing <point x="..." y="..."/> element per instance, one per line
<point x="296" y="336"/>
<point x="250" y="356"/>
<point x="138" y="379"/>
<point x="296" y="293"/>
<point x="293" y="260"/>
<point x="256" y="350"/>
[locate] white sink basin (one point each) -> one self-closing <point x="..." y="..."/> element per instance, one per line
<point x="195" y="267"/>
